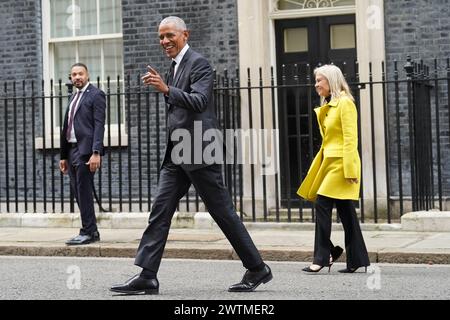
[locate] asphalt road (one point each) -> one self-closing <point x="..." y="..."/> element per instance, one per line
<point x="59" y="278"/>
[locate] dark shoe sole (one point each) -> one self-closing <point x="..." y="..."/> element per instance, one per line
<point x="80" y="244"/>
<point x="346" y="270"/>
<point x="263" y="280"/>
<point x="136" y="292"/>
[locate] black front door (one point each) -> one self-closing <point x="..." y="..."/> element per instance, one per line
<point x="302" y="45"/>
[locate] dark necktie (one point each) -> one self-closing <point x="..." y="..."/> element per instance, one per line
<point x="171" y="72"/>
<point x="71" y="115"/>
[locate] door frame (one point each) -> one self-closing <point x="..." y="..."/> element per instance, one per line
<point x="256" y="27"/>
<point x="319" y="51"/>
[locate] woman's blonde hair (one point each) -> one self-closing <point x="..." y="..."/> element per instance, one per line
<point x="336" y="81"/>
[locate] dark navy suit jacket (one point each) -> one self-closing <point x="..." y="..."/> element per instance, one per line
<point x="89" y="123"/>
<point x="191" y="100"/>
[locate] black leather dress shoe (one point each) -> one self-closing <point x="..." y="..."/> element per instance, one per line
<point x="137" y="285"/>
<point x="352" y="270"/>
<point x="252" y="280"/>
<point x="84" y="239"/>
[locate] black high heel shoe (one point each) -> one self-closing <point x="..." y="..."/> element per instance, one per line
<point x="352" y="270"/>
<point x="308" y="269"/>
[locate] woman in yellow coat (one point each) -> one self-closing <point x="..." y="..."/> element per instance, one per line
<point x="335" y="173"/>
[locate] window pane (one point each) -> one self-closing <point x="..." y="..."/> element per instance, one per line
<point x="88" y="17"/>
<point x="90" y="54"/>
<point x="113" y="58"/>
<point x="342" y="36"/>
<point x="110" y="16"/>
<point x="296" y="40"/>
<point x="62" y="18"/>
<point x="64" y="58"/>
<point x="312" y="4"/>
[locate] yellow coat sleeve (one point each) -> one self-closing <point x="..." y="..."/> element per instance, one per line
<point x="349" y="120"/>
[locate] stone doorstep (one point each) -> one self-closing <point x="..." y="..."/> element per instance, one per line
<point x="426" y="221"/>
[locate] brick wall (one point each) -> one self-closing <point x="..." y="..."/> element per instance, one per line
<point x="20" y="39"/>
<point x="420" y="29"/>
<point x="213" y="25"/>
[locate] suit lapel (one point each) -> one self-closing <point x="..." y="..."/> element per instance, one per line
<point x="83" y="97"/>
<point x="181" y="67"/>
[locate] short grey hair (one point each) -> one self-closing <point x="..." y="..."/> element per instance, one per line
<point x="178" y="22"/>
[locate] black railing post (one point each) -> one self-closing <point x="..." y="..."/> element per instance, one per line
<point x="399" y="139"/>
<point x="69" y="86"/>
<point x="310" y="84"/>
<point x="298" y="130"/>
<point x="52" y="144"/>
<point x="119" y="156"/>
<point x="227" y="110"/>
<point x="147" y="126"/>
<point x="128" y="110"/>
<point x="358" y="104"/>
<point x="99" y="172"/>
<point x="33" y="143"/>
<point x="285" y="139"/>
<point x="409" y="68"/>
<point x="44" y="151"/>
<point x="108" y="105"/>
<point x="386" y="142"/>
<point x="262" y="144"/>
<point x="374" y="160"/>
<point x="24" y="151"/>
<point x="232" y="143"/>
<point x="239" y="123"/>
<point x="60" y="119"/>
<point x="16" y="165"/>
<point x="139" y="138"/>
<point x="427" y="87"/>
<point x="250" y="123"/>
<point x="275" y="144"/>
<point x="438" y="132"/>
<point x="5" y="119"/>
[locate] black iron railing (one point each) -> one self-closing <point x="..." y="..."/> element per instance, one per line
<point x="404" y="142"/>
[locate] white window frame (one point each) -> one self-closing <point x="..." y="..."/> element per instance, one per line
<point x="48" y="72"/>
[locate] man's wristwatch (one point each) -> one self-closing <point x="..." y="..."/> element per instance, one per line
<point x="96" y="152"/>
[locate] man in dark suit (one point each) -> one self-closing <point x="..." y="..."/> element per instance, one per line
<point x="189" y="97"/>
<point x="82" y="147"/>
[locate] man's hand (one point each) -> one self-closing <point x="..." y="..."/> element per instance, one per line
<point x="352" y="180"/>
<point x="63" y="166"/>
<point x="94" y="162"/>
<point x="152" y="78"/>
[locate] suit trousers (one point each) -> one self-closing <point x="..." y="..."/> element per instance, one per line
<point x="355" y="247"/>
<point x="173" y="184"/>
<point x="82" y="182"/>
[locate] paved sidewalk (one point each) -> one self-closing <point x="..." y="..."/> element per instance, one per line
<point x="293" y="243"/>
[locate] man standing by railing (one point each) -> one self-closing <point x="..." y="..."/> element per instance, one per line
<point x="188" y="92"/>
<point x="82" y="147"/>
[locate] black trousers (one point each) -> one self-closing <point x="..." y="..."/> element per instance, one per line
<point x="173" y="184"/>
<point x="355" y="247"/>
<point x="82" y="182"/>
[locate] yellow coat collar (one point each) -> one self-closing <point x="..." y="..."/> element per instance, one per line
<point x="335" y="101"/>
